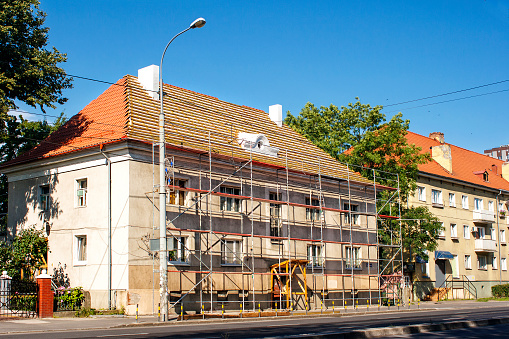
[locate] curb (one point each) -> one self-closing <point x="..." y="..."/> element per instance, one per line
<point x="411" y="329"/>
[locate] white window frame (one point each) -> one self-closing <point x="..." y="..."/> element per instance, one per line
<point x="312" y="213"/>
<point x="480" y="265"/>
<point x="353" y="257"/>
<point x="452" y="200"/>
<point x="436" y="197"/>
<point x="464" y="202"/>
<point x="468" y="262"/>
<point x="354" y="210"/>
<point x="491" y="206"/>
<point x="80" y="253"/>
<point x="315" y="255"/>
<point x="425" y="269"/>
<point x="231" y="252"/>
<point x="502" y="236"/>
<point x="44" y="197"/>
<point x="180" y="245"/>
<point x="481" y="231"/>
<point x="466" y="231"/>
<point x="493" y="232"/>
<point x="454" y="231"/>
<point x="230" y="204"/>
<point x="442" y="232"/>
<point x="421" y="193"/>
<point x="503" y="264"/>
<point x="494" y="263"/>
<point x="81" y="197"/>
<point x="455" y="267"/>
<point x="478" y="204"/>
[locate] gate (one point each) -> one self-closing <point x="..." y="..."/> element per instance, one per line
<point x="18" y="298"/>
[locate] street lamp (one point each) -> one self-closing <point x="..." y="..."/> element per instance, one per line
<point x="163" y="254"/>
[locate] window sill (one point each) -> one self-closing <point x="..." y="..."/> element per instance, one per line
<point x="454" y="238"/>
<point x="231" y="265"/>
<point x="178" y="263"/>
<point x="468" y="268"/>
<point x="434" y="204"/>
<point x="80" y="263"/>
<point x="81" y="206"/>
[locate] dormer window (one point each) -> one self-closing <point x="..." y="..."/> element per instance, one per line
<point x="485" y="176"/>
<point x="482" y="174"/>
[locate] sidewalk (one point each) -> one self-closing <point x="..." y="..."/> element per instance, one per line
<point x="101" y="322"/>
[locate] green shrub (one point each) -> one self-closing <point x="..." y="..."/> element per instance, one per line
<point x="500" y="291"/>
<point x="69" y="299"/>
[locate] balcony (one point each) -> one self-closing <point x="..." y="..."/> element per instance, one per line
<point x="484" y="216"/>
<point x="485" y="245"/>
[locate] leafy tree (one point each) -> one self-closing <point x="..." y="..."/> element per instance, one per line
<point x="26" y="253"/>
<point x="28" y="71"/>
<point x="20" y="136"/>
<point x="361" y="136"/>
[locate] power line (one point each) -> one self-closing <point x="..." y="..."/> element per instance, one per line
<point x="449" y="93"/>
<point x="441" y="102"/>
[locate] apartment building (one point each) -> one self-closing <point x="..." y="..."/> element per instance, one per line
<point x="501" y="153"/>
<point x="468" y="192"/>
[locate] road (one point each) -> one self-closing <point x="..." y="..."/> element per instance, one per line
<point x="288" y="327"/>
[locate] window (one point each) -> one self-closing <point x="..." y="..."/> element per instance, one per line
<point x="353" y="257"/>
<point x="81" y="192"/>
<point x="425" y="269"/>
<point x="494" y="263"/>
<point x="81" y="249"/>
<point x="491" y="206"/>
<point x="466" y="232"/>
<point x="454" y="231"/>
<point x="503" y="264"/>
<point x="500" y="207"/>
<point x="232" y="252"/>
<point x="502" y="236"/>
<point x="493" y="234"/>
<point x="180" y="252"/>
<point x="442" y="232"/>
<point x="481" y="231"/>
<point x="481" y="262"/>
<point x="452" y="200"/>
<point x="468" y="262"/>
<point x="478" y="204"/>
<point x="315" y="258"/>
<point x="275" y="215"/>
<point x="312" y="213"/>
<point x="436" y="197"/>
<point x="421" y="193"/>
<point x="177" y="197"/>
<point x="355" y="217"/>
<point x="229" y="203"/>
<point x="464" y="202"/>
<point x="44" y="197"/>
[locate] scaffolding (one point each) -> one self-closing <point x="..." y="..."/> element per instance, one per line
<point x="234" y="226"/>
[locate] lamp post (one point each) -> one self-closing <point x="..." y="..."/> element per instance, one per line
<point x="163" y="254"/>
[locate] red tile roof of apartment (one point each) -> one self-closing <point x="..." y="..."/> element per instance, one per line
<point x="125" y="111"/>
<point x="466" y="165"/>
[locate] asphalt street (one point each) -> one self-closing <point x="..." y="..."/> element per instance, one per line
<point x="283" y="327"/>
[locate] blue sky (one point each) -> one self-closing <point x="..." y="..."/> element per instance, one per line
<point x="259" y="53"/>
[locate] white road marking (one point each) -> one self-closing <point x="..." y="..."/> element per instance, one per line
<point x="120" y="335"/>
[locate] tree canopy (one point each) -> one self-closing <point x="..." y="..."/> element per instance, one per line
<point x="359" y="134"/>
<point x="26" y="253"/>
<point x="29" y="72"/>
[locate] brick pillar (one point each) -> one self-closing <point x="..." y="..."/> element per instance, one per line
<point x="45" y="295"/>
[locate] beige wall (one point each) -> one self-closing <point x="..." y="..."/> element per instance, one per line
<point x="460" y="245"/>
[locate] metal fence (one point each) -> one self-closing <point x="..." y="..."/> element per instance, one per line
<point x="18" y="298"/>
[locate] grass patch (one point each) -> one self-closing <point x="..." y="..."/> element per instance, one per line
<point x="483" y="300"/>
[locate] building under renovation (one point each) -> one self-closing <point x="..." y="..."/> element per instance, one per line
<point x="257" y="217"/>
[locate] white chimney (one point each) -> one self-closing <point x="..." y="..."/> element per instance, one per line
<point x="276" y="114"/>
<point x="149" y="79"/>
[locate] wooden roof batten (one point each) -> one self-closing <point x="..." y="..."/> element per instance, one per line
<point x="125" y="111"/>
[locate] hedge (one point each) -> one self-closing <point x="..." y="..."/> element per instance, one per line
<point x="500" y="291"/>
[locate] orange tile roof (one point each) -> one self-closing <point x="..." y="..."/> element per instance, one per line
<point x="126" y="111"/>
<point x="466" y="165"/>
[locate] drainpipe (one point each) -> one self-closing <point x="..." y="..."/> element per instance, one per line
<point x="108" y="163"/>
<point x="498" y="231"/>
